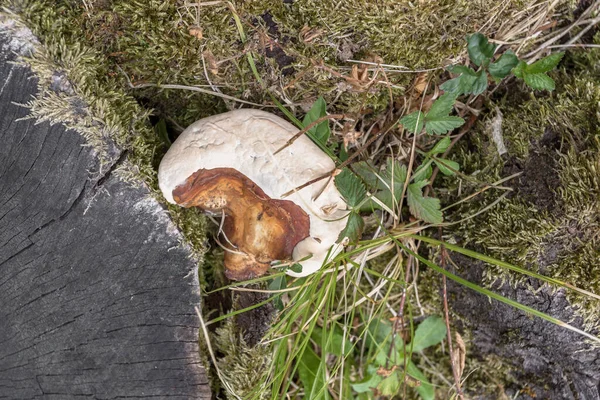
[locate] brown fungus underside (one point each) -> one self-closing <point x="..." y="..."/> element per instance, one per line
<point x="258" y="229"/>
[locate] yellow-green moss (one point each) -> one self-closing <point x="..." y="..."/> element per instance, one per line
<point x="561" y="240"/>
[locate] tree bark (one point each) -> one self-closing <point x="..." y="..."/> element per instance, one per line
<point x="97" y="295"/>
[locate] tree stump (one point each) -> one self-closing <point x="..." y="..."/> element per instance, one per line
<point x="97" y="295"/>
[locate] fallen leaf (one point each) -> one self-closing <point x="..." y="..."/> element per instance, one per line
<point x="459" y="354"/>
<point x="195" y="31"/>
<point x="386" y="372"/>
<point x="420" y="84"/>
<point x="211" y="62"/>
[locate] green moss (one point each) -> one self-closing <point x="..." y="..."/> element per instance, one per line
<point x="553" y="139"/>
<point x="241" y="366"/>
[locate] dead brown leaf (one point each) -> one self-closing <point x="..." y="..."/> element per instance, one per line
<point x="420" y="84"/>
<point x="211" y="62"/>
<point x="459" y="354"/>
<point x="195" y="31"/>
<point x="385" y="372"/>
<point x="308" y="34"/>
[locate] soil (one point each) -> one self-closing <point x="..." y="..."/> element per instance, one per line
<point x="276" y="52"/>
<point x="254" y="323"/>
<point x="539" y="178"/>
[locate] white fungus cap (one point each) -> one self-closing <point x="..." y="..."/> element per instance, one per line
<point x="246" y="140"/>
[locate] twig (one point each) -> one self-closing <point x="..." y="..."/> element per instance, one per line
<point x="337" y="170"/>
<point x="308" y="128"/>
<point x="200" y="90"/>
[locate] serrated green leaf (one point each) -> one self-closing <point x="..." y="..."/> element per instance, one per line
<point x="441" y="146"/>
<point x="350" y="187"/>
<point x="441" y="107"/>
<point x="429" y="333"/>
<point x="480" y="84"/>
<point x="502" y="67"/>
<point x="546" y="64"/>
<point x="480" y="50"/>
<point x="383" y="183"/>
<point x="437" y="120"/>
<point x="539" y="81"/>
<point x="394" y="176"/>
<point x="464" y="83"/>
<point x="461" y="69"/>
<point x="353" y="228"/>
<point x="519" y="70"/>
<point x="441" y="125"/>
<point x="369" y="175"/>
<point x="447" y="167"/>
<point x="425" y="208"/>
<point x="413" y="122"/>
<point x="390" y="386"/>
<point x="321" y="132"/>
<point x="423" y="172"/>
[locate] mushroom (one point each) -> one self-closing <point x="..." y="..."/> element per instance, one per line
<point x="228" y="164"/>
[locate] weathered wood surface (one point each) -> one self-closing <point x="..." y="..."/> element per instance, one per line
<point x="96" y="297"/>
<point x="550" y="362"/>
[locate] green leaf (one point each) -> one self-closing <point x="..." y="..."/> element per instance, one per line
<point x="312" y="374"/>
<point x="386" y="184"/>
<point x="413" y="122"/>
<point x="425" y="208"/>
<point x="321" y="132"/>
<point x="534" y="75"/>
<point x="441" y="125"/>
<point x="369" y="383"/>
<point x="350" y="187"/>
<point x="442" y="106"/>
<point x="278" y="283"/>
<point x="546" y="64"/>
<point x="353" y="228"/>
<point x="480" y="84"/>
<point x="539" y="81"/>
<point x="461" y="84"/>
<point x="161" y="131"/>
<point x="390" y="386"/>
<point x="519" y="70"/>
<point x="425" y="389"/>
<point x="369" y="175"/>
<point x="335" y="344"/>
<point x="423" y="172"/>
<point x="440" y="146"/>
<point x="429" y="333"/>
<point x="447" y="167"/>
<point x="480" y="50"/>
<point x="461" y="69"/>
<point x="437" y="120"/>
<point x="502" y="67"/>
<point x="297" y="268"/>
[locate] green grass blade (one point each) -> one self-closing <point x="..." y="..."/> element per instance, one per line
<point x="497" y="296"/>
<point x="503" y="264"/>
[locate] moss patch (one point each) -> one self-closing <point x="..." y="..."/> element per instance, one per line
<point x="550" y="223"/>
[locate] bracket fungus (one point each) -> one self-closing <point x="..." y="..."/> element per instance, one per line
<point x="229" y="164"/>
